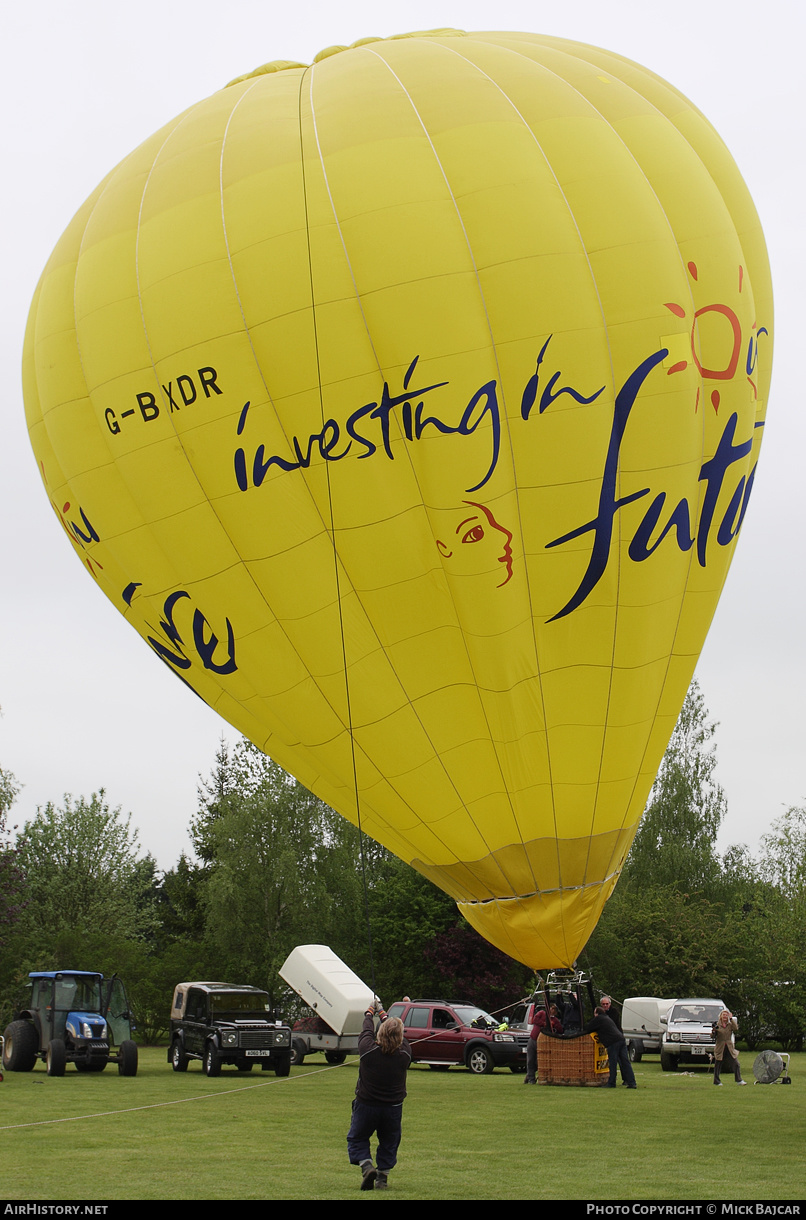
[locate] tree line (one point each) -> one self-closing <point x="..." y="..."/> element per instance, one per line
<point x="273" y="867"/>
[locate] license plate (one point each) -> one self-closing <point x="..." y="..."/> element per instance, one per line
<point x="698" y="1050"/>
<point x="258" y="1054"/>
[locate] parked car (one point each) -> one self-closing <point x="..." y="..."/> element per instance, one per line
<point x="641" y="1024"/>
<point x="688" y="1032"/>
<point x="223" y="1023"/>
<point x="443" y="1034"/>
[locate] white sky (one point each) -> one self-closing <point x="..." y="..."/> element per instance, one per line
<point x="85" y="704"/>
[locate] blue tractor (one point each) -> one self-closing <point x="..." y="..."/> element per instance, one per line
<point x="73" y="1016"/>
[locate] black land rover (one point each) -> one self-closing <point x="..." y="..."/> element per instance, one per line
<point x="224" y="1023"/>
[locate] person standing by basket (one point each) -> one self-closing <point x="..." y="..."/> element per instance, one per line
<point x="612" y="1039"/>
<point x="724" y="1031"/>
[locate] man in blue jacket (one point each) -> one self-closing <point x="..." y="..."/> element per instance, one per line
<point x="379" y="1095"/>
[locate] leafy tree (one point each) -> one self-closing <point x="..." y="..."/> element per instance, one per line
<point x="12" y="899"/>
<point x="88" y="888"/>
<point x="406" y="913"/>
<point x="660" y="941"/>
<point x="782" y="865"/>
<point x="470" y="968"/>
<point x="180" y="902"/>
<point x="9" y="789"/>
<point x="783" y="855"/>
<point x="663" y="931"/>
<point x="675" y="842"/>
<point x="282" y="868"/>
<point x="11" y="875"/>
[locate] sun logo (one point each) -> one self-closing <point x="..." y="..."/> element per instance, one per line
<point x="724" y="336"/>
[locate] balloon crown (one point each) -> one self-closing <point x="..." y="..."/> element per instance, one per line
<point x="285" y="65"/>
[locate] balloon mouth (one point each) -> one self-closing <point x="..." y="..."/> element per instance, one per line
<point x="543" y="930"/>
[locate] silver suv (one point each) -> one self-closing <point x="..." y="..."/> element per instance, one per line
<point x="688" y="1032"/>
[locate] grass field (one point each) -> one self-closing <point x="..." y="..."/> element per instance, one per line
<point x="166" y="1136"/>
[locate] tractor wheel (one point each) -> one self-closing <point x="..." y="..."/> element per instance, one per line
<point x="56" y="1057"/>
<point x="20" y="1046"/>
<point x="127" y="1059"/>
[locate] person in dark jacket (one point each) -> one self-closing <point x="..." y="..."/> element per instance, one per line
<point x="379" y="1095"/>
<point x="612" y="1039"/>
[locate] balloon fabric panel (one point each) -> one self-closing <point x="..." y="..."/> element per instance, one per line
<point x="408" y="406"/>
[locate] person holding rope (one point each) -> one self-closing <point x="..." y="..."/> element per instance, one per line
<point x="379" y="1095"/>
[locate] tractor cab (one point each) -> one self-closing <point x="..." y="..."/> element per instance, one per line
<point x="74" y="1016"/>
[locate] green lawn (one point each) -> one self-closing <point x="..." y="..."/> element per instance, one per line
<point x="101" y="1137"/>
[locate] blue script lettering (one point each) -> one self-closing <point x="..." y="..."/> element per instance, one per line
<point x="332" y="445"/>
<point x="549" y="394"/>
<point x="204" y="639"/>
<point x="712" y="473"/>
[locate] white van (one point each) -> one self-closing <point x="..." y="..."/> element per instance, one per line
<point x="642" y="1024"/>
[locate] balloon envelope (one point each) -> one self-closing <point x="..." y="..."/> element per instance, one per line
<point x="408" y="406"/>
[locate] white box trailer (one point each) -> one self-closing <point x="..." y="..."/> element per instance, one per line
<point x="335" y="993"/>
<point x="641" y="1024"/>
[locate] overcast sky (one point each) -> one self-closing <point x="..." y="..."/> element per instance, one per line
<point x="85" y="704"/>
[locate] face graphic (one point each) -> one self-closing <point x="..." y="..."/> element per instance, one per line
<point x="477" y="544"/>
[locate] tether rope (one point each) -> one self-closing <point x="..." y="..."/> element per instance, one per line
<point x="246" y="1088"/>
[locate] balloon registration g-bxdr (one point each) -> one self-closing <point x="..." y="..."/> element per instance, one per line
<point x="408" y="405"/>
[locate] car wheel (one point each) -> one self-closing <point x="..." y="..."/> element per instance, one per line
<point x="179" y="1060"/>
<point x="517" y="1069"/>
<point x="298" y="1050"/>
<point x="282" y="1065"/>
<point x="335" y="1057"/>
<point x="20" y="1045"/>
<point x="480" y="1061"/>
<point x="668" y="1062"/>
<point x="636" y="1052"/>
<point x="211" y="1062"/>
<point x="127" y="1059"/>
<point x="56" y="1057"/>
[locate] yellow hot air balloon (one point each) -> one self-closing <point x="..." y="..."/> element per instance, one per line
<point x="408" y="405"/>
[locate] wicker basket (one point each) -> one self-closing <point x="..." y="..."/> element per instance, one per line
<point x="580" y="1061"/>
